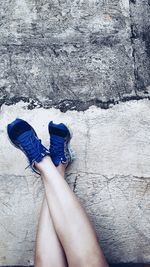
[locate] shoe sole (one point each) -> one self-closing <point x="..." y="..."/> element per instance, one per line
<point x="70" y="150"/>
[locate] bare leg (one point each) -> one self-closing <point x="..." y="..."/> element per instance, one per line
<point x="48" y="250"/>
<point x="70" y="220"/>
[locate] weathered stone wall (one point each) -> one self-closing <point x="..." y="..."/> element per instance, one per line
<point x="72" y="55"/>
<point x="140" y="39"/>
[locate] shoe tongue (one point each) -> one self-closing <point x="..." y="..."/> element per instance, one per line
<point x="19" y="129"/>
<point x="58" y="132"/>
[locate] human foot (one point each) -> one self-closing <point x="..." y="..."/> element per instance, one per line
<point x="23" y="136"/>
<point x="60" y="149"/>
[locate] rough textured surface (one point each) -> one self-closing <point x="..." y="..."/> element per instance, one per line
<point x="140" y="38"/>
<point x="19" y="198"/>
<point x="71" y="54"/>
<point x="111" y="177"/>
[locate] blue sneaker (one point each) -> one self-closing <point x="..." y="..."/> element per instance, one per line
<point x="23" y="136"/>
<point x="60" y="149"/>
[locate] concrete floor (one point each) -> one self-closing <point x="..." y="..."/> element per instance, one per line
<point x="111" y="177"/>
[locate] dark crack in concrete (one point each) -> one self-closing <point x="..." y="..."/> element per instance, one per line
<point x="75" y="183"/>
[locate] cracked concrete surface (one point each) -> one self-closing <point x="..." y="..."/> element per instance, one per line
<point x="111" y="177"/>
<point x="74" y="54"/>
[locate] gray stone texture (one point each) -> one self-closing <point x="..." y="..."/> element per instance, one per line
<point x="71" y="54"/>
<point x="111" y="177"/>
<point x="140" y="36"/>
<point x="19" y="200"/>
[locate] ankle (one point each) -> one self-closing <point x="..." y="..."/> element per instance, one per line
<point x="44" y="164"/>
<point x="61" y="168"/>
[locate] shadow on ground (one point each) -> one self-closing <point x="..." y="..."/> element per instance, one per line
<point x="111" y="265"/>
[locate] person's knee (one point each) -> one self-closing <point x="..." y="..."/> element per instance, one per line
<point x="88" y="260"/>
<point x="48" y="260"/>
<point x="38" y="261"/>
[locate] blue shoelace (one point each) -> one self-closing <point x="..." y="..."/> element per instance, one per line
<point x="57" y="147"/>
<point x="31" y="146"/>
